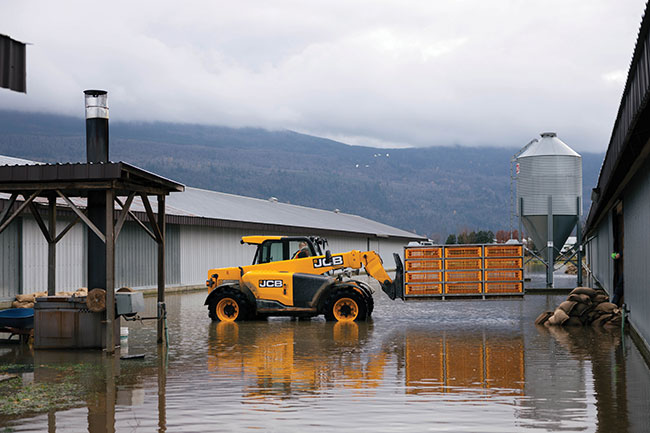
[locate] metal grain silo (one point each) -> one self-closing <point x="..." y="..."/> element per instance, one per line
<point x="549" y="193"/>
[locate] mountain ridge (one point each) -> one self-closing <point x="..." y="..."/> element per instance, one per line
<point x="433" y="191"/>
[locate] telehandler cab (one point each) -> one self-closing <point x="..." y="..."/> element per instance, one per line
<point x="278" y="285"/>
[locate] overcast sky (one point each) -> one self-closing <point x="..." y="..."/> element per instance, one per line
<point x="374" y="73"/>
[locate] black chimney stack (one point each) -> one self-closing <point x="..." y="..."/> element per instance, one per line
<point x="96" y="152"/>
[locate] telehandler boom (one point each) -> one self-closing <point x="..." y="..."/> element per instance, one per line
<point x="278" y="285"/>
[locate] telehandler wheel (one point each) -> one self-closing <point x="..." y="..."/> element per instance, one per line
<point x="229" y="306"/>
<point x="345" y="305"/>
<point x="371" y="304"/>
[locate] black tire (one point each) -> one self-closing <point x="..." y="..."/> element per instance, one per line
<point x="371" y="304"/>
<point x="345" y="304"/>
<point x="229" y="305"/>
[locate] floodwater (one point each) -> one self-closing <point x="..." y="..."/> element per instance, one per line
<point x="453" y="366"/>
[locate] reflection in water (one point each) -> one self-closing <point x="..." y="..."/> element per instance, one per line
<point x="460" y="362"/>
<point x="444" y="366"/>
<point x="291" y="357"/>
<point x="277" y="360"/>
<point x="602" y="348"/>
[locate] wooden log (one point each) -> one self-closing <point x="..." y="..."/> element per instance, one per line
<point x="96" y="300"/>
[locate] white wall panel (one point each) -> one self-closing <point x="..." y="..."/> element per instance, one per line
<point x="10" y="260"/>
<point x="69" y="257"/>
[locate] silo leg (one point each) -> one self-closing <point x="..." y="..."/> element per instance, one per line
<point x="549" y="245"/>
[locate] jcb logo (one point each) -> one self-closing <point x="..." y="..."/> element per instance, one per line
<point x="271" y="283"/>
<point x="323" y="263"/>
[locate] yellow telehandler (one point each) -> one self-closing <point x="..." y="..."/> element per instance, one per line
<point x="290" y="276"/>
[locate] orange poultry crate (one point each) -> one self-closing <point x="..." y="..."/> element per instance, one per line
<point x="424" y="277"/>
<point x="503" y="251"/>
<point x="463" y="288"/>
<point x="504" y="263"/>
<point x="424" y="265"/>
<point x="463" y="276"/>
<point x="423" y="253"/>
<point x="504" y="287"/>
<point x="423" y="289"/>
<point x="504" y="275"/>
<point x="463" y="251"/>
<point x="462" y="264"/>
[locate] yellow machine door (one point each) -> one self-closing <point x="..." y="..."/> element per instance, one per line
<point x="271" y="286"/>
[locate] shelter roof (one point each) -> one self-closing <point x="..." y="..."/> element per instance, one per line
<point x="78" y="178"/>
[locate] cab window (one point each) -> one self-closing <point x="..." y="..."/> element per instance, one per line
<point x="294" y="247"/>
<point x="271" y="251"/>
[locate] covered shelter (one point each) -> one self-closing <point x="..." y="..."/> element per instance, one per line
<point x="116" y="183"/>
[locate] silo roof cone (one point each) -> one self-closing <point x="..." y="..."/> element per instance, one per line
<point x="549" y="144"/>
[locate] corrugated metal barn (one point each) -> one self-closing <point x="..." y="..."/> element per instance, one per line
<point x="620" y="210"/>
<point x="203" y="231"/>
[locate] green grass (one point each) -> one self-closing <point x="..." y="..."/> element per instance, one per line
<point x="66" y="388"/>
<point x="18" y="399"/>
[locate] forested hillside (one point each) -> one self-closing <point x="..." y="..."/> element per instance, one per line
<point x="433" y="191"/>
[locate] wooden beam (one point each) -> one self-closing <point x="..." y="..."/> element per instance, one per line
<point x="83" y="216"/>
<point x="110" y="273"/>
<point x="5" y="212"/>
<point x="66" y="229"/>
<point x="19" y="210"/>
<point x="51" y="186"/>
<point x="152" y="218"/>
<point x="161" y="267"/>
<point x="123" y="214"/>
<point x="39" y="221"/>
<point x="144" y="227"/>
<point x="51" y="248"/>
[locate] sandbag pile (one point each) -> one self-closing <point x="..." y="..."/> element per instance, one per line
<point x="28" y="300"/>
<point x="583" y="306"/>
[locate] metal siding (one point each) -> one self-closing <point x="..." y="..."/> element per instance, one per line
<point x="557" y="176"/>
<point x="69" y="257"/>
<point x="10" y="261"/>
<point x="136" y="257"/>
<point x="599" y="249"/>
<point x="636" y="213"/>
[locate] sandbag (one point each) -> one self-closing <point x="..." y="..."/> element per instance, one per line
<point x="567" y="306"/>
<point x="18" y="304"/>
<point x="573" y="321"/>
<point x="578" y="297"/>
<point x="615" y="320"/>
<point x="607" y="307"/>
<point x="600" y="298"/>
<point x="558" y="317"/>
<point x="601" y="320"/>
<point x="542" y="318"/>
<point x="40" y="295"/>
<point x="581" y="309"/>
<point x="80" y="292"/>
<point x="583" y="291"/>
<point x="28" y="297"/>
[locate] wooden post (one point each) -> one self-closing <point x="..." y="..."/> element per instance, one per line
<point x="110" y="273"/>
<point x="51" y="248"/>
<point x="161" y="264"/>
